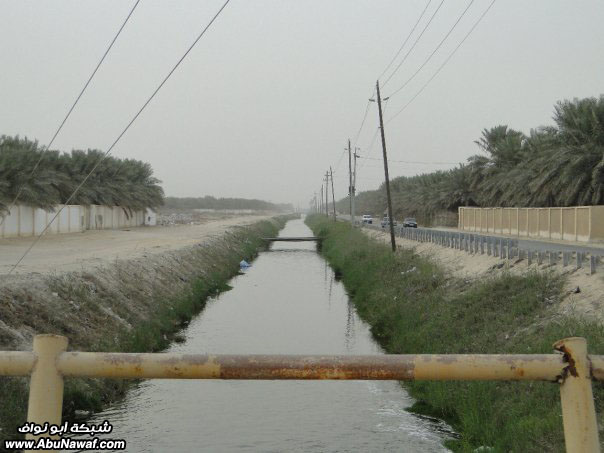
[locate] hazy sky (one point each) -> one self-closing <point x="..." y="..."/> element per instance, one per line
<point x="266" y="101"/>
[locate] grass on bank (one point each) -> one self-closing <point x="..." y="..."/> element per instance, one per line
<point x="168" y="316"/>
<point x="424" y="311"/>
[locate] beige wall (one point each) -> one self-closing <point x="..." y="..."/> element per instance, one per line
<point x="25" y="221"/>
<point x="578" y="223"/>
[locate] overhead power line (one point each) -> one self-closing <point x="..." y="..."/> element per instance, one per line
<point x="368" y="105"/>
<point x="340" y="160"/>
<point x="415" y="43"/>
<point x="443" y="64"/>
<point x="411" y="162"/>
<point x="405" y="41"/>
<point x="14" y="202"/>
<point x="119" y="137"/>
<point x="356" y="138"/>
<point x="369" y="147"/>
<point x="434" y="51"/>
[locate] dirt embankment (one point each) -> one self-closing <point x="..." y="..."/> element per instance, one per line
<point x="583" y="294"/>
<point x="86" y="286"/>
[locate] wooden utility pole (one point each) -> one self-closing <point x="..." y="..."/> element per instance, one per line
<point x="333" y="196"/>
<point x="354" y="182"/>
<point x="327" y="194"/>
<point x="390" y="218"/>
<point x="350" y="185"/>
<point x="321" y="200"/>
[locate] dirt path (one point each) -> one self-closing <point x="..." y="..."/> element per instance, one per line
<point x="77" y="251"/>
<point x="588" y="302"/>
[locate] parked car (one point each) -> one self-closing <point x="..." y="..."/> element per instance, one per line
<point x="409" y="222"/>
<point x="367" y="218"/>
<point x="386" y="222"/>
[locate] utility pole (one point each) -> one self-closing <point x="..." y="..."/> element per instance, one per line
<point x="354" y="184"/>
<point x="333" y="196"/>
<point x="390" y="218"/>
<point x="321" y="200"/>
<point x="321" y="207"/>
<point x="327" y="194"/>
<point x="350" y="192"/>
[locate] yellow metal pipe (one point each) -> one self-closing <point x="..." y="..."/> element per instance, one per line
<point x="46" y="383"/>
<point x="597" y="367"/>
<point x="16" y="363"/>
<point x="578" y="411"/>
<point x="547" y="367"/>
<point x="21" y="363"/>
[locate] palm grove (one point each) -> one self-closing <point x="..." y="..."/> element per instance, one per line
<point x="560" y="165"/>
<point x="115" y="182"/>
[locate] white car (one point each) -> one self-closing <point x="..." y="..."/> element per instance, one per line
<point x="367" y="219"/>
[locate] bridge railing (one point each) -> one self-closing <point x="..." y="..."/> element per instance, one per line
<point x="570" y="367"/>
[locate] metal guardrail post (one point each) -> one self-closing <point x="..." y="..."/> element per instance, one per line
<point x="553" y="257"/>
<point x="578" y="411"/>
<point x="592" y="264"/>
<point x="46" y="383"/>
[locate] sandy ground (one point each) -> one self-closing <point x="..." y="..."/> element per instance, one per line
<point x="588" y="302"/>
<point x="79" y="251"/>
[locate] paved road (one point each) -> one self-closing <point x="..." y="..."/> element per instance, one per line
<point x="558" y="247"/>
<point x="526" y="244"/>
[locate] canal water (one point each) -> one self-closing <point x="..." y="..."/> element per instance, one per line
<point x="287" y="302"/>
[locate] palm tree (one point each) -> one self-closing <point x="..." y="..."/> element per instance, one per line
<point x="128" y="183"/>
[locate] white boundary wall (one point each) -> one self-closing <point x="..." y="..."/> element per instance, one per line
<point x="26" y="221"/>
<point x="573" y="223"/>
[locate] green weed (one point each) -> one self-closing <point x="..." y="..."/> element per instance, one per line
<point x="412" y="308"/>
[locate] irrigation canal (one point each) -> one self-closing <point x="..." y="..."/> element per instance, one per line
<point x="287" y="302"/>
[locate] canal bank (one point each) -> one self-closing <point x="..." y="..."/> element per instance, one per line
<point x="288" y="302"/>
<point x="413" y="306"/>
<point x="137" y="305"/>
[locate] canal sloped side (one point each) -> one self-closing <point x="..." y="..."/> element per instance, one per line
<point x="131" y="306"/>
<point x="414" y="307"/>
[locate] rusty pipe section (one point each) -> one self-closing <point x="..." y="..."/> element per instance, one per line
<point x="16" y="363"/>
<point x="547" y="367"/>
<point x="386" y="367"/>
